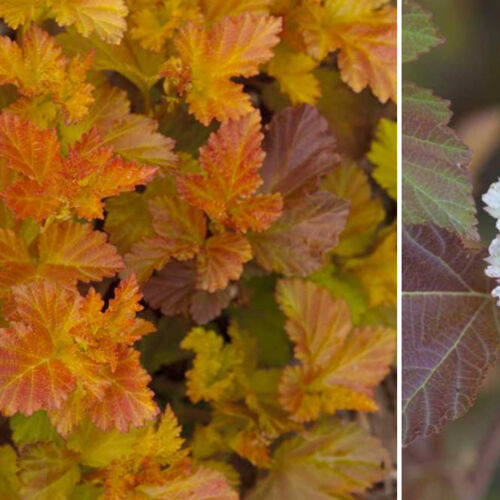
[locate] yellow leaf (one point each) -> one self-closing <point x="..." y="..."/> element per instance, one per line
<point x="39" y="69"/>
<point x="213" y="10"/>
<point x="154" y="23"/>
<point x="168" y="440"/>
<point x="17" y="12"/>
<point x="384" y="155"/>
<point x="96" y="448"/>
<point x="140" y="66"/>
<point x="365" y="32"/>
<point x="212" y="376"/>
<point x="366" y="212"/>
<point x="106" y="19"/>
<point x="133" y="136"/>
<point x="378" y="271"/>
<point x="332" y="461"/>
<point x="294" y="72"/>
<point x="48" y="472"/>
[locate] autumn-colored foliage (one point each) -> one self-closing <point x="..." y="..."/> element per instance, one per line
<point x="197" y="247"/>
<point x="447" y="317"/>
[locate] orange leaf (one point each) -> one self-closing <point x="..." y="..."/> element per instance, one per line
<point x="230" y="164"/>
<point x="26" y="149"/>
<point x="366" y="34"/>
<point x="16" y="263"/>
<point x="127" y="401"/>
<point x="180" y="231"/>
<point x="315" y="323"/>
<point x="27" y="198"/>
<point x="235" y="46"/>
<point x="96" y="174"/>
<point x="70" y="252"/>
<point x="119" y="320"/>
<point x="65" y="355"/>
<point x="221" y="260"/>
<point x="256" y="213"/>
<point x="39" y="69"/>
<point x="32" y="375"/>
<point x="339" y="365"/>
<point x="79" y="180"/>
<point x="201" y="484"/>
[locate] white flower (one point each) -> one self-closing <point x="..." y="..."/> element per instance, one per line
<point x="492" y="200"/>
<point x="496" y="294"/>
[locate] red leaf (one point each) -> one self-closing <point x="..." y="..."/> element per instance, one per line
<point x="450" y="329"/>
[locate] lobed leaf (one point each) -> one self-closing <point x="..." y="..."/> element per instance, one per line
<point x="54" y="184"/>
<point x="363" y="31"/>
<point x="294" y="72"/>
<point x="107" y="20"/>
<point x="297" y="244"/>
<point x="127" y="401"/>
<point x="234" y="46"/>
<point x="39" y="69"/>
<point x="300" y="150"/>
<point x="419" y="34"/>
<point x="332" y="461"/>
<point x="71" y="252"/>
<point x="230" y="164"/>
<point x="338" y="366"/>
<point x="366" y="211"/>
<point x="173" y="290"/>
<point x="450" y="329"/>
<point x="48" y="471"/>
<point x="435" y="178"/>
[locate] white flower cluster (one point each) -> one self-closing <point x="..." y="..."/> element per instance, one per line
<point x="492" y="200"/>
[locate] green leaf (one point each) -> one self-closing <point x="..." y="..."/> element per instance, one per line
<point x="87" y="492"/>
<point x="262" y="318"/>
<point x="48" y="472"/>
<point x="162" y="347"/>
<point x="419" y="33"/>
<point x="436" y="183"/>
<point x="34" y="429"/>
<point x="96" y="448"/>
<point x="9" y="482"/>
<point x="140" y="66"/>
<point x="345" y="286"/>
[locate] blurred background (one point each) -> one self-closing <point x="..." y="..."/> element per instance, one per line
<point x="463" y="462"/>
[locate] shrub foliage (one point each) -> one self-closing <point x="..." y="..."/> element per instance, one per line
<point x="197" y="247"/>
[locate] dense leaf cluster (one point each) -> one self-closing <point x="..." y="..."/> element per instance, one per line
<point x="197" y="247"/>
